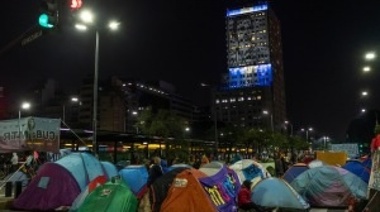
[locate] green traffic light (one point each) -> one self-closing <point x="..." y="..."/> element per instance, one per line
<point x="43" y="20"/>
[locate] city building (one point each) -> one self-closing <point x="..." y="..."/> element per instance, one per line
<point x="252" y="92"/>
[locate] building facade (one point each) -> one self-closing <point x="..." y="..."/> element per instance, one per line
<point x="252" y="93"/>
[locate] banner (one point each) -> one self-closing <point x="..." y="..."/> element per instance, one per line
<point x="352" y="150"/>
<point x="30" y="133"/>
<point x="374" y="179"/>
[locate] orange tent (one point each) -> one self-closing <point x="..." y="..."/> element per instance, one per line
<point x="187" y="194"/>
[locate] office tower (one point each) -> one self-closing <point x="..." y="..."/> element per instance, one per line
<point x="252" y="93"/>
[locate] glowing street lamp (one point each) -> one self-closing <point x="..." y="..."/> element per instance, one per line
<point x="370" y="56"/>
<point x="364" y="93"/>
<point x="87" y="20"/>
<point x="366" y="69"/>
<point x="24" y="106"/>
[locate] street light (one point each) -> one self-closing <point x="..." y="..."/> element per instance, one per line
<point x="363" y="110"/>
<point x="307" y="132"/>
<point x="24" y="106"/>
<point x="87" y="20"/>
<point x="135" y="113"/>
<point x="291" y="127"/>
<point x="73" y="99"/>
<point x="370" y="56"/>
<point x="364" y="93"/>
<point x="265" y="112"/>
<point x="366" y="69"/>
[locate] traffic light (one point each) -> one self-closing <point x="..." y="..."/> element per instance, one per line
<point x="49" y="14"/>
<point x="76" y="4"/>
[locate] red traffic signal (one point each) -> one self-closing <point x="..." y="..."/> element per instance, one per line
<point x="76" y="4"/>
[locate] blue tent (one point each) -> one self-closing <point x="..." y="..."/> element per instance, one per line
<point x="83" y="166"/>
<point x="294" y="171"/>
<point x="179" y="165"/>
<point x="275" y="192"/>
<point x="110" y="169"/>
<point x="358" y="168"/>
<point x="136" y="177"/>
<point x="329" y="186"/>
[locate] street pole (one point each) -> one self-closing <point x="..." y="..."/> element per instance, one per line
<point x="63" y="113"/>
<point x="19" y="127"/>
<point x="271" y="122"/>
<point x="95" y="103"/>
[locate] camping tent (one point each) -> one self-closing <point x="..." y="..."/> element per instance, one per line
<point x="110" y="197"/>
<point x="177" y="190"/>
<point x="356" y="167"/>
<point x="222" y="185"/>
<point x="263" y="194"/>
<point x="159" y="189"/>
<point x="89" y="188"/>
<point x="329" y="186"/>
<point x="174" y="166"/>
<point x="187" y="191"/>
<point x="109" y="169"/>
<point x="135" y="176"/>
<point x="17" y="176"/>
<point x="59" y="183"/>
<point x="294" y="171"/>
<point x="247" y="169"/>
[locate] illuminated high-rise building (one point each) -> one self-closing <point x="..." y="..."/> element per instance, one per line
<point x="252" y="92"/>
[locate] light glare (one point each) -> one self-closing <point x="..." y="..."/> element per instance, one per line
<point x="370" y="56"/>
<point x="86" y="16"/>
<point x="114" y="25"/>
<point x="366" y="69"/>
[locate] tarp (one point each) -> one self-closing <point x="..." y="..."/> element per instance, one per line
<point x="222" y="185"/>
<point x="30" y="133"/>
<point x="332" y="158"/>
<point x="294" y="171"/>
<point x="251" y="170"/>
<point x="329" y="186"/>
<point x="110" y="197"/>
<point x="275" y="192"/>
<point x="58" y="184"/>
<point x="357" y="167"/>
<point x="135" y="176"/>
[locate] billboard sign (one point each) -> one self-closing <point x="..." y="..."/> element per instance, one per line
<point x="30" y="133"/>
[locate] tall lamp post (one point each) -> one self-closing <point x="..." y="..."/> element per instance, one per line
<point x="87" y="21"/>
<point x="291" y="127"/>
<point x="265" y="112"/>
<point x="24" y="106"/>
<point x="307" y="132"/>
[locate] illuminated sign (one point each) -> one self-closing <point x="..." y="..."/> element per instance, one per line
<point x="250" y="76"/>
<point x="247" y="10"/>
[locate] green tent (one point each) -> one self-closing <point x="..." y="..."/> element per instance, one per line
<point x="112" y="196"/>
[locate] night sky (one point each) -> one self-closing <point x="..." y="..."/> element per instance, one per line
<point x="183" y="42"/>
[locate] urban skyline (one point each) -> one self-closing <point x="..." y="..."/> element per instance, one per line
<point x="323" y="49"/>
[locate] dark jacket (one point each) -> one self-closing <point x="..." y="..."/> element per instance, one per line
<point x="154" y="173"/>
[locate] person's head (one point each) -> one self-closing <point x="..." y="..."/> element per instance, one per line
<point x="157" y="160"/>
<point x="247" y="184"/>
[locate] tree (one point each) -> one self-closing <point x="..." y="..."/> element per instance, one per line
<point x="169" y="127"/>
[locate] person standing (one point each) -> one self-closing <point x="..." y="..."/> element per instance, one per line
<point x="14" y="162"/>
<point x="244" y="198"/>
<point x="155" y="171"/>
